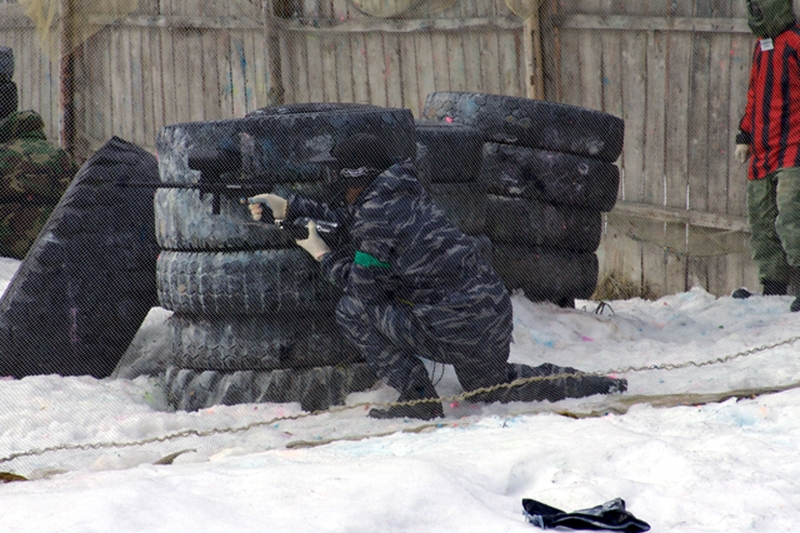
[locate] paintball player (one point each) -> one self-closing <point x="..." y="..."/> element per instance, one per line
<point x="769" y="136"/>
<point x="34" y="173"/>
<point x="414" y="285"/>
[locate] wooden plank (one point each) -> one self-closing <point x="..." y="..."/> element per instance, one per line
<point x="344" y="69"/>
<point x="211" y="93"/>
<point x="393" y="79"/>
<point x="288" y="75"/>
<point x="224" y="63"/>
<point x="137" y="81"/>
<point x="440" y="61"/>
<point x="639" y="23"/>
<point x="413" y="98"/>
<point x="634" y="99"/>
<point x="251" y="74"/>
<point x="239" y="74"/>
<point x="472" y="61"/>
<point x="425" y="76"/>
<point x="261" y="81"/>
<point x="328" y="68"/>
<point x="741" y="57"/>
<point x="721" y="132"/>
<point x="701" y="219"/>
<point x="358" y="51"/>
<point x="511" y="65"/>
<point x="376" y="71"/>
<point x="679" y="54"/>
<point x="456" y="62"/>
<point x="571" y="68"/>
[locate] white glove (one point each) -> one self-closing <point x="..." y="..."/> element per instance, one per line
<point x="276" y="204"/>
<point x="742" y="153"/>
<point x="314" y="243"/>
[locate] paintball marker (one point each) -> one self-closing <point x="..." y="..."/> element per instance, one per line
<point x="213" y="164"/>
<point x="298" y="229"/>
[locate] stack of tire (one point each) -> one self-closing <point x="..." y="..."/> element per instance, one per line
<point x="8" y="89"/>
<point x="253" y="318"/>
<point x="548" y="171"/>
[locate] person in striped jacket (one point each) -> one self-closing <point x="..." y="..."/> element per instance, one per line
<point x="769" y="138"/>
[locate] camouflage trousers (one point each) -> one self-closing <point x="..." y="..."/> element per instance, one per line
<point x="773" y="211"/>
<point x="390" y="335"/>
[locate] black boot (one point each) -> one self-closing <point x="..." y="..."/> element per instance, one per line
<point x="578" y="386"/>
<point x="424" y="410"/>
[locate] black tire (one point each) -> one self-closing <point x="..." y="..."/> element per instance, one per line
<point x="547" y="275"/>
<point x="311" y="107"/>
<point x="552" y="177"/>
<point x="6" y="63"/>
<point x="532" y="123"/>
<point x="463" y="203"/>
<point x="257" y="282"/>
<point x="282" y="144"/>
<point x="185" y="219"/>
<point x="88" y="281"/>
<point x="293" y="340"/>
<point x="315" y="388"/>
<point x="8" y="100"/>
<point x="451" y="153"/>
<point x="529" y="222"/>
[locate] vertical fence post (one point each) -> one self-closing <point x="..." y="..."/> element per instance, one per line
<point x="276" y="92"/>
<point x="67" y="78"/>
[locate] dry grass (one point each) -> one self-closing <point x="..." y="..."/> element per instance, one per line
<point x="614" y="286"/>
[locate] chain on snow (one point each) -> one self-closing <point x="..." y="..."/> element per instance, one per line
<point x="449" y="399"/>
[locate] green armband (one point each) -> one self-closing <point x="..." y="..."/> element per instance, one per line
<point x="369" y="261"/>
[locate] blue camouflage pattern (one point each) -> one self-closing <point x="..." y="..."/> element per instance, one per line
<point x="437" y="299"/>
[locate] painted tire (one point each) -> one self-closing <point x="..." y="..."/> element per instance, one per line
<point x="551" y="177"/>
<point x="293" y="340"/>
<point x="546" y="274"/>
<point x="463" y="203"/>
<point x="321" y="107"/>
<point x="282" y="144"/>
<point x="88" y="281"/>
<point x="257" y="282"/>
<point x="529" y="222"/>
<point x="314" y="388"/>
<point x="279" y="148"/>
<point x="532" y="123"/>
<point x="185" y="219"/>
<point x="453" y="153"/>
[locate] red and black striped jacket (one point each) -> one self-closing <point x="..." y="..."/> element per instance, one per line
<point x="771" y="123"/>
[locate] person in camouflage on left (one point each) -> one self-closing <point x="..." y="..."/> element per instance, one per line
<point x="35" y="173"/>
<point x="416" y="286"/>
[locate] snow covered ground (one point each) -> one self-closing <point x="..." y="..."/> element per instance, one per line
<point x="705" y="467"/>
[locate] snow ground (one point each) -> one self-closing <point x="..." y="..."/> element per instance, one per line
<point x="729" y="466"/>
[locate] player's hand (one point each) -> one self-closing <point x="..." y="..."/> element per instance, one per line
<point x="742" y="153"/>
<point x="275" y="203"/>
<point x="313" y="244"/>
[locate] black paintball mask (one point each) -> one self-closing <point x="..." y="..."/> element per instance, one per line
<point x="769" y="18"/>
<point x="358" y="159"/>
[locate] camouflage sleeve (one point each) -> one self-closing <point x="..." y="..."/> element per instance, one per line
<point x="300" y="206"/>
<point x="336" y="265"/>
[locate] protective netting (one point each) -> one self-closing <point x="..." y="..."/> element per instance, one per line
<point x="214" y="368"/>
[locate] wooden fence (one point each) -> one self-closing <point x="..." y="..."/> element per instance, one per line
<point x="676" y="71"/>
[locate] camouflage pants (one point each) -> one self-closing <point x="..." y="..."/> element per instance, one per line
<point x="773" y="211"/>
<point x="391" y="335"/>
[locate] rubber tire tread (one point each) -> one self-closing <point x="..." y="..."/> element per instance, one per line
<point x="546" y="274"/>
<point x="464" y="204"/>
<point x="87" y="283"/>
<point x="293" y="340"/>
<point x="283" y="143"/>
<point x="249" y="282"/>
<point x="315" y="388"/>
<point x="454" y="152"/>
<point x="552" y="177"/>
<point x="533" y="123"/>
<point x="530" y="222"/>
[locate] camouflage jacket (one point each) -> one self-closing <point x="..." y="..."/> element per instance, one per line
<point x="29" y="164"/>
<point x="35" y="173"/>
<point x="403" y="247"/>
